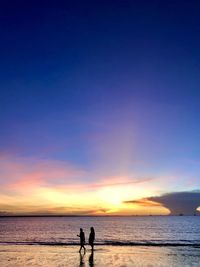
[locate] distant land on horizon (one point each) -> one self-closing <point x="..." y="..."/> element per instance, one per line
<point x="143" y="215"/>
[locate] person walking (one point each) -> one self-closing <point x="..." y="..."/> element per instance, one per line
<point x="82" y="240"/>
<point x="92" y="237"/>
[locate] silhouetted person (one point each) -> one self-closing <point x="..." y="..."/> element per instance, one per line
<point x="92" y="237"/>
<point x="82" y="239"/>
<point x="91" y="259"/>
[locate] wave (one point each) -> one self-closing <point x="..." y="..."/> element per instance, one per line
<point x="109" y="243"/>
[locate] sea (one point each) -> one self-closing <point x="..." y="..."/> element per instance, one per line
<point x="116" y="231"/>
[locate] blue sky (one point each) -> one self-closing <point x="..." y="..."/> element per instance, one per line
<point x="108" y="87"/>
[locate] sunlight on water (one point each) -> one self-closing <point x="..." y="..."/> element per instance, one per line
<point x="152" y="229"/>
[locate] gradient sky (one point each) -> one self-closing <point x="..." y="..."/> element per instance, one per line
<point x="99" y="105"/>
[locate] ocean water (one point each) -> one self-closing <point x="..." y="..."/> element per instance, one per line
<point x="136" y="230"/>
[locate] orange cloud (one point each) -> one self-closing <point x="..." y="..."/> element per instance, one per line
<point x="33" y="182"/>
<point x="144" y="203"/>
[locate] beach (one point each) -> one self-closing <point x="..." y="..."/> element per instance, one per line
<point x="120" y="241"/>
<point x="57" y="256"/>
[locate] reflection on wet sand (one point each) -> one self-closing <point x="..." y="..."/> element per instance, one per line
<point x="91" y="258"/>
<point x="82" y="259"/>
<point x="129" y="256"/>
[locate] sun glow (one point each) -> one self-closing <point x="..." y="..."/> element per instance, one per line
<point x="30" y="187"/>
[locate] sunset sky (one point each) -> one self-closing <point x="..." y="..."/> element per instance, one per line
<point x="99" y="105"/>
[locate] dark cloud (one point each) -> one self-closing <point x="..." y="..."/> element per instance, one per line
<point x="177" y="202"/>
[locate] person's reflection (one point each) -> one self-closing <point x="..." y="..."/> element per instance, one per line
<point x="82" y="263"/>
<point x="91" y="258"/>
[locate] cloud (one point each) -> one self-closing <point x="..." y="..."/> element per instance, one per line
<point x="177" y="202"/>
<point x="144" y="202"/>
<point x="13" y="210"/>
<point x="109" y="182"/>
<point x="20" y="173"/>
<point x="23" y="176"/>
<point x="25" y="182"/>
<point x="134" y="181"/>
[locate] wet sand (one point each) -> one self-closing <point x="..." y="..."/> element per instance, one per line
<point x="57" y="256"/>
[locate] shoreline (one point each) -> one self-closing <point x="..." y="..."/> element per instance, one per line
<point x="111" y="244"/>
<point x="126" y="256"/>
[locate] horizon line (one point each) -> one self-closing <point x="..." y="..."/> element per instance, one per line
<point x="134" y="215"/>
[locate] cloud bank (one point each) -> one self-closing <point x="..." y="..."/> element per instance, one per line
<point x="177" y="203"/>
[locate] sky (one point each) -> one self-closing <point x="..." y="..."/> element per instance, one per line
<point x="99" y="106"/>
